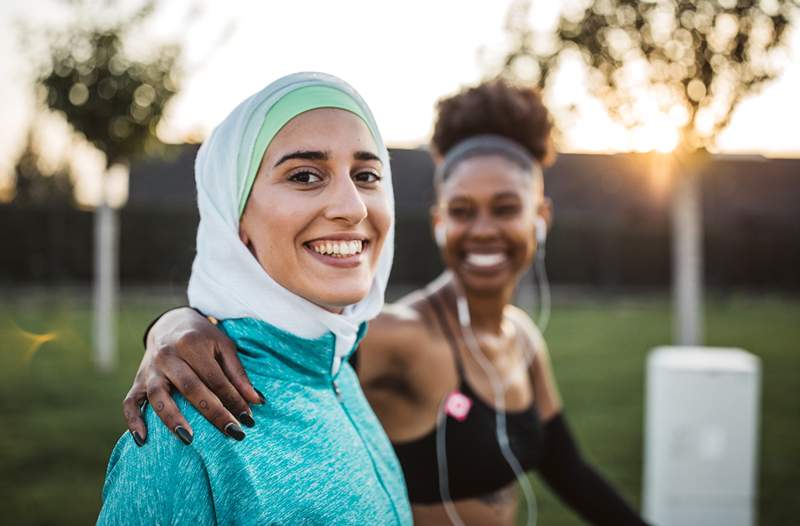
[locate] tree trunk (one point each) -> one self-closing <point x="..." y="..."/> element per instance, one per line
<point x="687" y="258"/>
<point x="106" y="284"/>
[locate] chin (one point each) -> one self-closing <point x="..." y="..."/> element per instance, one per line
<point x="488" y="284"/>
<point x="339" y="299"/>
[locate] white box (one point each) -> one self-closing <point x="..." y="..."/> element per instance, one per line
<point x="701" y="436"/>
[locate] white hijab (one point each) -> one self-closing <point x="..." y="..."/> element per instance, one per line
<point x="227" y="281"/>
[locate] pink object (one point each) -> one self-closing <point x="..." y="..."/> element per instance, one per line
<point x="457" y="405"/>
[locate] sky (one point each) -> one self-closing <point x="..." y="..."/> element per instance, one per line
<point x="401" y="56"/>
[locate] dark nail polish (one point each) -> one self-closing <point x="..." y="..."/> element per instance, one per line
<point x="263" y="400"/>
<point x="184" y="435"/>
<point x="137" y="438"/>
<point x="234" y="431"/>
<point x="247" y="420"/>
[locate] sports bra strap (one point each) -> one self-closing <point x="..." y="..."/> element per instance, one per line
<point x="438" y="309"/>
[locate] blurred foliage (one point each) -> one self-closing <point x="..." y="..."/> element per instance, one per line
<point x="35" y="187"/>
<point x="115" y="102"/>
<point x="696" y="58"/>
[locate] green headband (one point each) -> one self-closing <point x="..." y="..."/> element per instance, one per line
<point x="287" y="108"/>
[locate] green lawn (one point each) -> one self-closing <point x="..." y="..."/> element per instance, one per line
<point x="60" y="419"/>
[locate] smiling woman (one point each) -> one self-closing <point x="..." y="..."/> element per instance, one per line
<point x="294" y="192"/>
<point x="330" y="205"/>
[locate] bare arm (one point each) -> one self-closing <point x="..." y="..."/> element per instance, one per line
<point x="187" y="352"/>
<point x="563" y="467"/>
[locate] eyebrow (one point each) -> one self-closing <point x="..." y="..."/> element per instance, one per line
<point x="315" y="155"/>
<point x="506" y="195"/>
<point x="309" y="155"/>
<point x="366" y="156"/>
<point x="497" y="197"/>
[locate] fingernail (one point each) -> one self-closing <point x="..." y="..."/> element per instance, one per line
<point x="137" y="438"/>
<point x="246" y="419"/>
<point x="263" y="400"/>
<point x="234" y="431"/>
<point x="184" y="435"/>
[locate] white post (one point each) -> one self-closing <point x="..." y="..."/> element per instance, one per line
<point x="106" y="283"/>
<point x="687" y="259"/>
<point x="701" y="437"/>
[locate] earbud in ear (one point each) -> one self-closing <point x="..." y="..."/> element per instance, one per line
<point x="440" y="234"/>
<point x="541" y="230"/>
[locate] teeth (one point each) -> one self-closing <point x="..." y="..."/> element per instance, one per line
<point x="338" y="248"/>
<point x="485" y="260"/>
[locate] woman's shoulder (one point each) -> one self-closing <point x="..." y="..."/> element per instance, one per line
<point x="403" y="325"/>
<point x="530" y="331"/>
<point x="162" y="447"/>
<point x="399" y="340"/>
<point x="163" y="479"/>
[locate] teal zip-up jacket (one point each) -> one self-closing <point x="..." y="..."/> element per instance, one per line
<point x="313" y="457"/>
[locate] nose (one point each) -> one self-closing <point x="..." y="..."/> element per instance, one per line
<point x="483" y="227"/>
<point x="346" y="203"/>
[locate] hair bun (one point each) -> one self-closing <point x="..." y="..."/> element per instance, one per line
<point x="495" y="107"/>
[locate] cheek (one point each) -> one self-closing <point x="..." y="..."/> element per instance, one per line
<point x="379" y="215"/>
<point x="272" y="226"/>
<point x="521" y="233"/>
<point x="526" y="235"/>
<point x="454" y="235"/>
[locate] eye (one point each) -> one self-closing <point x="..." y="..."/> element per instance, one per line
<point x="305" y="177"/>
<point x="367" y="177"/>
<point x="506" y="210"/>
<point x="460" y="212"/>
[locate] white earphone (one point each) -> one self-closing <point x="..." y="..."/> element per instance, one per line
<point x="440" y="234"/>
<point x="541" y="230"/>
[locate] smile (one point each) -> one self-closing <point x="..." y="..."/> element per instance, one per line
<point x="485" y="260"/>
<point x="338" y="248"/>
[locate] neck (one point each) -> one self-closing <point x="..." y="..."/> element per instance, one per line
<point x="485" y="308"/>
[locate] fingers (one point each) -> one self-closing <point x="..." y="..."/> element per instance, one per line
<point x="133" y="416"/>
<point x="192" y="387"/>
<point x="218" y="383"/>
<point x="232" y="367"/>
<point x="202" y="353"/>
<point x="158" y="394"/>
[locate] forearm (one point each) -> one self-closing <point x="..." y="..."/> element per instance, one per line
<point x="577" y="483"/>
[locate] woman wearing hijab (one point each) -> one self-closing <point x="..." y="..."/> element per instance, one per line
<point x="294" y="249"/>
<point x="459" y="378"/>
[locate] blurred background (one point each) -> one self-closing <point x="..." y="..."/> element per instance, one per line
<point x="676" y="195"/>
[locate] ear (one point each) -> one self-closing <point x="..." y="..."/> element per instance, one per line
<point x="545" y="211"/>
<point x="437" y="225"/>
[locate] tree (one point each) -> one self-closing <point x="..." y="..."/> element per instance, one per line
<point x="115" y="102"/>
<point x="696" y="59"/>
<point x="33" y="188"/>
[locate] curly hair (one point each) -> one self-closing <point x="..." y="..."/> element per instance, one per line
<point x="499" y="108"/>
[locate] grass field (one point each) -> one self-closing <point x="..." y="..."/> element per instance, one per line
<point x="60" y="419"/>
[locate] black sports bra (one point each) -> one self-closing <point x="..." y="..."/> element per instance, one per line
<point x="475" y="464"/>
